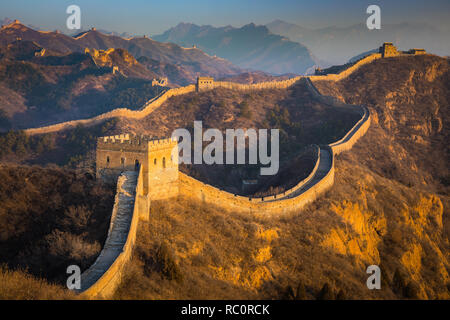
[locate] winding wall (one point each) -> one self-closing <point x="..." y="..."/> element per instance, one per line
<point x="156" y="102"/>
<point x="306" y="191"/>
<point x="103" y="277"/>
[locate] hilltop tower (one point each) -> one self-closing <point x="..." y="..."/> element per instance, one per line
<point x="204" y="83"/>
<point x="158" y="158"/>
<point x="388" y="50"/>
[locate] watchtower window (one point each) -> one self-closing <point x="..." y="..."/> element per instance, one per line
<point x="107" y="161"/>
<point x="154" y="161"/>
<point x="122" y="161"/>
<point x="164" y="162"/>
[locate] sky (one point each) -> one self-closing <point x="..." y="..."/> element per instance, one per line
<point x="152" y="17"/>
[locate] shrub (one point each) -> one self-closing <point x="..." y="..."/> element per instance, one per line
<point x="398" y="282"/>
<point x="301" y="292"/>
<point x="19" y="285"/>
<point x="245" y="111"/>
<point x="326" y="293"/>
<point x="411" y="290"/>
<point x="167" y="265"/>
<point x="341" y="295"/>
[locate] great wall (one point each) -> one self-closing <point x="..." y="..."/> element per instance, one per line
<point x="157" y="101"/>
<point x="135" y="188"/>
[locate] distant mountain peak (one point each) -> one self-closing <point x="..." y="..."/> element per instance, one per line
<point x="251" y="46"/>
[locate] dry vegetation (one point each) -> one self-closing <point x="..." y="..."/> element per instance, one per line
<point x="388" y="206"/>
<point x="51" y="218"/>
<point x="300" y="118"/>
<point x="409" y="99"/>
<point x="364" y="219"/>
<point x="19" y="285"/>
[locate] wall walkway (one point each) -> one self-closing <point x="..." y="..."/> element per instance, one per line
<point x="156" y="102"/>
<point x="103" y="277"/>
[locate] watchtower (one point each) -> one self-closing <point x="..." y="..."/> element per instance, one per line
<point x="204" y="83"/>
<point x="125" y="152"/>
<point x="388" y="50"/>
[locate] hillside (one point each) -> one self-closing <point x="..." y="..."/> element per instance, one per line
<point x="193" y="60"/>
<point x="41" y="86"/>
<point x="250" y="47"/>
<point x="301" y="119"/>
<point x="409" y="96"/>
<point x="388" y="206"/>
<point x="51" y="218"/>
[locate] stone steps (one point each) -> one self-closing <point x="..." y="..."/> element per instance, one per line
<point x="118" y="232"/>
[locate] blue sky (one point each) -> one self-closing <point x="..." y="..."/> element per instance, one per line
<point x="152" y="17"/>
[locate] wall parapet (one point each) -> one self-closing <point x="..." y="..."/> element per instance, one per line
<point x="318" y="181"/>
<point x="103" y="277"/>
<point x="157" y="101"/>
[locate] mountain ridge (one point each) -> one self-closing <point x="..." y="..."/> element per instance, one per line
<point x="338" y="44"/>
<point x="250" y="46"/>
<point x="194" y="60"/>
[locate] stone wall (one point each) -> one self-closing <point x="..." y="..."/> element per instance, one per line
<point x="156" y="102"/>
<point x="148" y="108"/>
<point x="266" y="206"/>
<point x="102" y="278"/>
<point x="105" y="275"/>
<point x="344" y="74"/>
<point x="163" y="169"/>
<point x="320" y="179"/>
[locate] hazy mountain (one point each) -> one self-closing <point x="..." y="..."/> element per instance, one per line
<point x="337" y="45"/>
<point x="195" y="61"/>
<point x="250" y="47"/>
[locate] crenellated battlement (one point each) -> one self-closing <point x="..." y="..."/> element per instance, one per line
<point x="127" y="152"/>
<point x="162" y="143"/>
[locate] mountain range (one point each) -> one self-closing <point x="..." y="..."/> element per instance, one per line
<point x="195" y="61"/>
<point x="40" y="86"/>
<point x="337" y="45"/>
<point x="249" y="47"/>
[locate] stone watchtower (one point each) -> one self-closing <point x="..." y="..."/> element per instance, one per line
<point x="158" y="158"/>
<point x="204" y="83"/>
<point x="388" y="50"/>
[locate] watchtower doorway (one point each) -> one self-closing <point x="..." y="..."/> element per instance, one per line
<point x="136" y="165"/>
